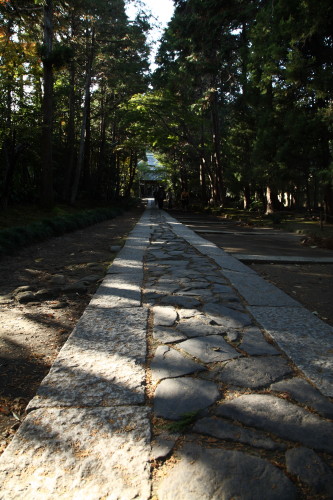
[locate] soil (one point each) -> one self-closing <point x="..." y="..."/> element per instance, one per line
<point x="61" y="275"/>
<point x="309" y="284"/>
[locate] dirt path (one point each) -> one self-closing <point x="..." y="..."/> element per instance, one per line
<point x="59" y="277"/>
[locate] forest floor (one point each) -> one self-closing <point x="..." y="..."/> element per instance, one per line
<point x="59" y="277"/>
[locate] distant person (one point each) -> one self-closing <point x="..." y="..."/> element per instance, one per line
<point x="155" y="197"/>
<point x="185" y="199"/>
<point x="160" y="196"/>
<point x="169" y="198"/>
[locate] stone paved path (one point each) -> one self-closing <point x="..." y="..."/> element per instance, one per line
<point x="187" y="377"/>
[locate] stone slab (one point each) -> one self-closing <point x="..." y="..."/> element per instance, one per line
<point x="167" y="335"/>
<point x="101" y="364"/>
<point x="196" y="285"/>
<point x="163" y="445"/>
<point x="254" y="373"/>
<point x="198" y="327"/>
<point x="227" y="317"/>
<point x="202" y="295"/>
<point x="205" y="247"/>
<point x="204" y="474"/>
<point x="200" y="266"/>
<point x="222" y="289"/>
<point x="259" y="292"/>
<point x="300" y="390"/>
<point x="305" y="339"/>
<point x="161" y="288"/>
<point x="180" y="301"/>
<point x="282" y="259"/>
<point x="255" y="344"/>
<point x="118" y="291"/>
<point x="229" y="263"/>
<point x="79" y="453"/>
<point x="210" y="349"/>
<point x="222" y="429"/>
<point x="169" y="363"/>
<point x="188" y="313"/>
<point x="165" y="315"/>
<point x="177" y="397"/>
<point x="129" y="261"/>
<point x="281" y="418"/>
<point x="307" y="466"/>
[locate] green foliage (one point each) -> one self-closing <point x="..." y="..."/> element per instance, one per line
<point x="238" y="107"/>
<point x="92" y="37"/>
<point x="61" y="55"/>
<point x="13" y="238"/>
<point x="184" y="422"/>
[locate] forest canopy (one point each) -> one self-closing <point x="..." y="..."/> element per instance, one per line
<point x="238" y="108"/>
<point x="66" y="69"/>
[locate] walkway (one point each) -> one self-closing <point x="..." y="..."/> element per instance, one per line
<point x="188" y="377"/>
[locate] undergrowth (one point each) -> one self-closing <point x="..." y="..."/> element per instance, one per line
<point x="36" y="226"/>
<point x="185" y="421"/>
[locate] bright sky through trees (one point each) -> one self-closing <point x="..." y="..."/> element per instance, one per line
<point x="162" y="10"/>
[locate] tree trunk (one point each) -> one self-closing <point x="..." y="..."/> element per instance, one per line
<point x="328" y="199"/>
<point x="70" y="136"/>
<point x="11" y="152"/>
<point x="132" y="172"/>
<point x="86" y="174"/>
<point x="203" y="182"/>
<point x="217" y="160"/>
<point x="101" y="174"/>
<point x="117" y="177"/>
<point x="271" y="200"/>
<point x="47" y="194"/>
<point x="247" y="196"/>
<point x="86" y="108"/>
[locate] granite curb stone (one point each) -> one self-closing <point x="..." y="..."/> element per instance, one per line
<point x="79" y="453"/>
<point x="305" y="339"/>
<point x="81" y="374"/>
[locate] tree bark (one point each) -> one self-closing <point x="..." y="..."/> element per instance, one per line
<point x="132" y="172"/>
<point x="11" y="153"/>
<point x="247" y="196"/>
<point x="86" y="108"/>
<point x="70" y="148"/>
<point x="271" y="200"/>
<point x="219" y="176"/>
<point x="47" y="193"/>
<point x="203" y="182"/>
